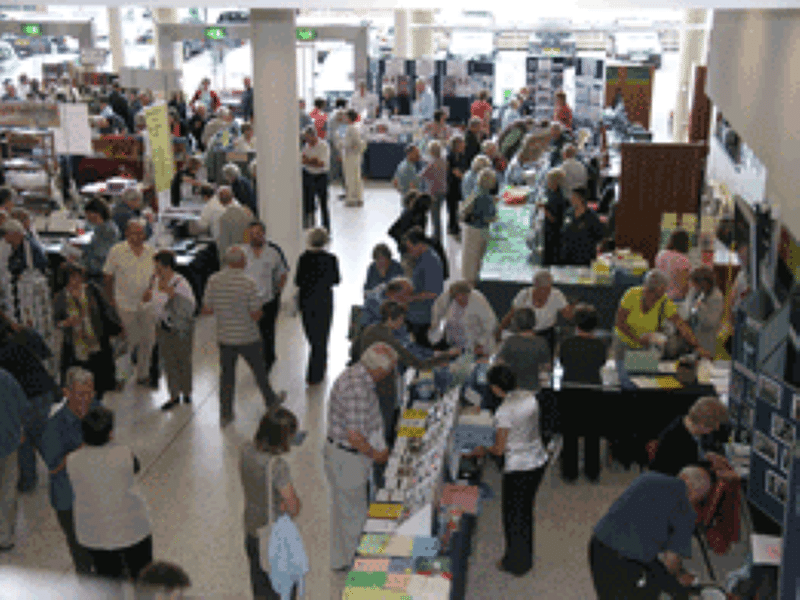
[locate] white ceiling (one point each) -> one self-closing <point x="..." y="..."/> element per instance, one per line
<point x="565" y="5"/>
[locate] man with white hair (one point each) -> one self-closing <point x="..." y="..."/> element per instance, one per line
<point x="62" y="435"/>
<point x="636" y="548"/>
<point x="216" y="128"/>
<point x="233" y="298"/>
<point x="130" y="205"/>
<point x="233" y="221"/>
<point x="128" y="272"/>
<point x="22" y="252"/>
<point x="355" y="439"/>
<point x="577" y="175"/>
<point x="242" y="189"/>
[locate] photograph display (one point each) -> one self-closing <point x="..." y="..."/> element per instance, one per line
<point x="769" y="391"/>
<point x="786" y="460"/>
<point x="782" y="429"/>
<point x="796" y="407"/>
<point x="764" y="446"/>
<point x="776" y="487"/>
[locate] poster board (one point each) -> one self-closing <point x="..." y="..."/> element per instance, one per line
<point x="74" y="137"/>
<point x="160" y="145"/>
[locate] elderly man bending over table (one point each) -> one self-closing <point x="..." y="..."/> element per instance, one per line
<point x="355" y="440"/>
<point x="463" y="317"/>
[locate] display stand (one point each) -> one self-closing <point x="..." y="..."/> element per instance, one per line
<point x="31" y="165"/>
<point x="590" y="94"/>
<point x="545" y="76"/>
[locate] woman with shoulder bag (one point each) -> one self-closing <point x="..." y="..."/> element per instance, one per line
<point x="175" y="305"/>
<point x="479" y="211"/>
<point x="263" y="468"/>
<point x="88" y="321"/>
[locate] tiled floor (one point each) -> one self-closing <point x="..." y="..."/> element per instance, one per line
<point x="190" y="475"/>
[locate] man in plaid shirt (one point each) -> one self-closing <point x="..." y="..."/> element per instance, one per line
<point x="355" y="441"/>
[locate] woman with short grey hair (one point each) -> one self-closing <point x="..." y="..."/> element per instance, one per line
<point x="641" y="315"/>
<point x="316" y="274"/>
<point x="478" y="212"/>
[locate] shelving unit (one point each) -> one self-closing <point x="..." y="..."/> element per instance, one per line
<point x="590" y="86"/>
<point x="31" y="152"/>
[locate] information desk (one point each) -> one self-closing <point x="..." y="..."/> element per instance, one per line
<point x="627" y="418"/>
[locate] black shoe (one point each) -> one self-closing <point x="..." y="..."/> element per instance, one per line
<point x="171" y="404"/>
<point x="225" y="421"/>
<point x="7" y="548"/>
<point x="187" y="399"/>
<point x="26" y="489"/>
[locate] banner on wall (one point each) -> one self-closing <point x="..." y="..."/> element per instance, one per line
<point x="160" y="145"/>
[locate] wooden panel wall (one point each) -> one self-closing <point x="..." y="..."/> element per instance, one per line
<point x="656" y="178"/>
<point x="700" y="115"/>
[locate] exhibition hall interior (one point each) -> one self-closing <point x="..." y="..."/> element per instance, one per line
<point x="514" y="289"/>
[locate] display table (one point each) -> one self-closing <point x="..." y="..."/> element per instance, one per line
<point x="381" y="159"/>
<point x="628" y="418"/>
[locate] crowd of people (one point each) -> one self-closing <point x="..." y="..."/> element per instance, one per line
<point x="120" y="286"/>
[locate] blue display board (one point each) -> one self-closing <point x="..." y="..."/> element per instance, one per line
<point x="790" y="565"/>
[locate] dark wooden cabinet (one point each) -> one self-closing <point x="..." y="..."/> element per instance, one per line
<point x="700" y="115"/>
<point x="656" y="178"/>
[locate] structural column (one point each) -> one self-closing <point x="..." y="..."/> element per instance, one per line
<point x="692" y="52"/>
<point x="277" y="128"/>
<point x="115" y="40"/>
<point x="402" y="45"/>
<point x="166" y="57"/>
<point x="421" y="37"/>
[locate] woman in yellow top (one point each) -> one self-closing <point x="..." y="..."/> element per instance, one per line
<point x="641" y="313"/>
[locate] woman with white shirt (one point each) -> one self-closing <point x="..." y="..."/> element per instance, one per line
<point x="111" y="519"/>
<point x="465" y="319"/>
<point x="175" y="305"/>
<point x="518" y="439"/>
<point x="546" y="301"/>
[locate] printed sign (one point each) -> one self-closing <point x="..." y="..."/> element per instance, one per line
<point x="30" y="114"/>
<point x="161" y="145"/>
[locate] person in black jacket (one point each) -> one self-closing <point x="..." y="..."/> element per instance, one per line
<point x="241" y="186"/>
<point x="581" y="232"/>
<point x="554" y="210"/>
<point x="119" y="104"/>
<point x="456" y="167"/>
<point x="317" y="272"/>
<point x="679" y="445"/>
<point x="473" y="140"/>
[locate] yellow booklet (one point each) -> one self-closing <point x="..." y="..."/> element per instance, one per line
<point x="385" y="511"/>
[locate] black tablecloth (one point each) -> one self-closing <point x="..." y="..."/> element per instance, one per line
<point x="628" y="418"/>
<point x="381" y="159"/>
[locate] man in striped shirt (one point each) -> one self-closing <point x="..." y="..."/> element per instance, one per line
<point x="233" y="297"/>
<point x="355" y="441"/>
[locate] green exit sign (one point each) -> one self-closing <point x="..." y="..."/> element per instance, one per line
<point x="215" y="33"/>
<point x="304" y="34"/>
<point x="32" y="29"/>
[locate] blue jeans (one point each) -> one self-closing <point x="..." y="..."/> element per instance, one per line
<point x="34" y="418"/>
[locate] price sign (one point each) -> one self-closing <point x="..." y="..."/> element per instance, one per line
<point x="215" y="33"/>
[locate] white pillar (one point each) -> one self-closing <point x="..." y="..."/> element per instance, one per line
<point x="692" y="52"/>
<point x="166" y="56"/>
<point x="277" y="127"/>
<point x="402" y="45"/>
<point x="115" y="40"/>
<point x="421" y="37"/>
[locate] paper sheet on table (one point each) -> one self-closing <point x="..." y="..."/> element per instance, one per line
<point x="767" y="549"/>
<point x="419" y="524"/>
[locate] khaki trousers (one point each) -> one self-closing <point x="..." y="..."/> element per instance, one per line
<point x="475" y="243"/>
